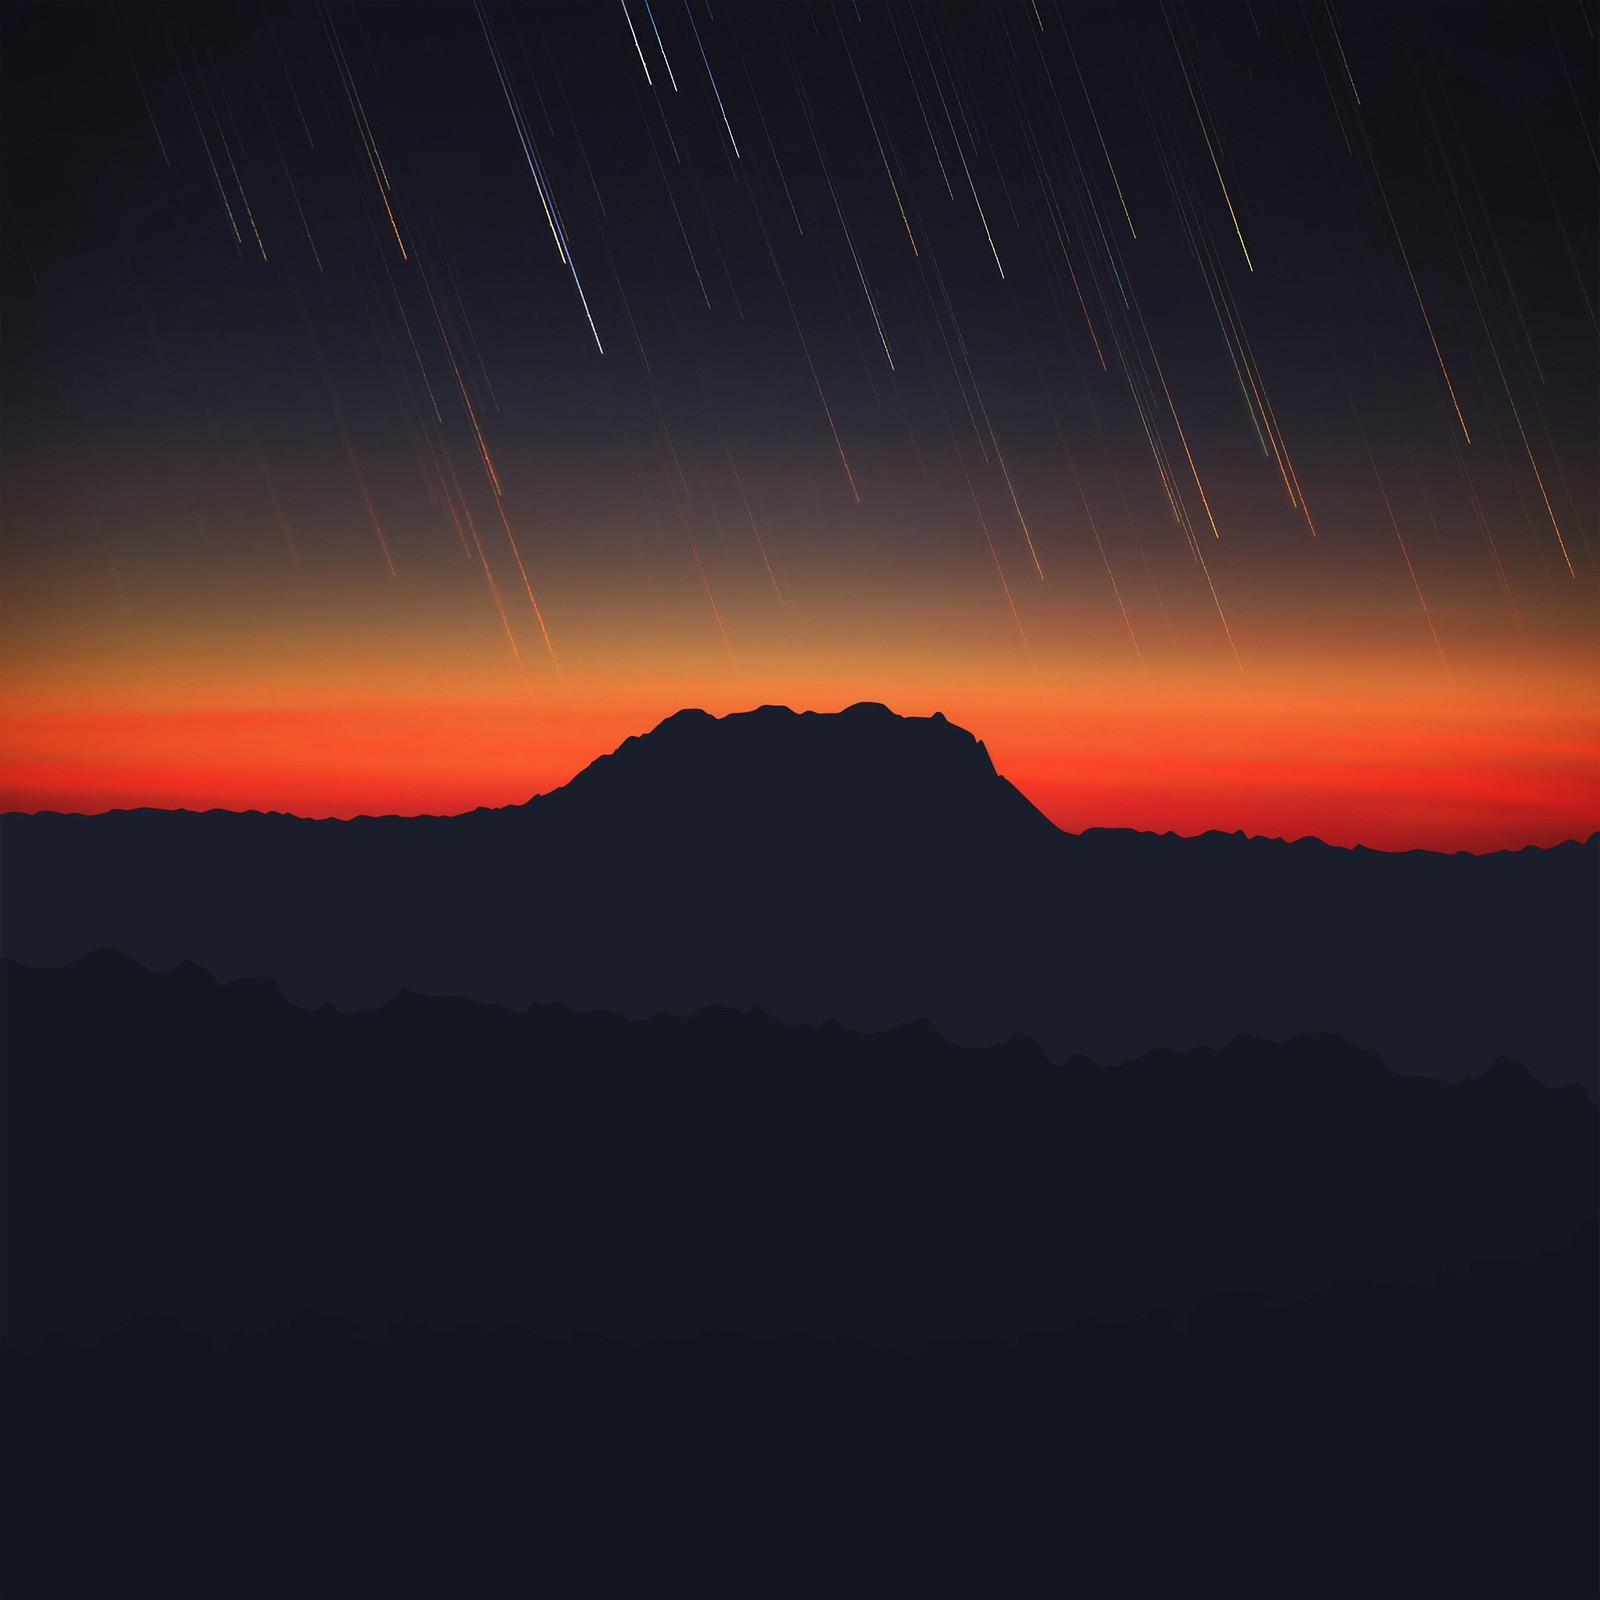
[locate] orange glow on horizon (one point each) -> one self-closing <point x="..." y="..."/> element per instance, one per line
<point x="1476" y="773"/>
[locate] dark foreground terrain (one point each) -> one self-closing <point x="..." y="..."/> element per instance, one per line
<point x="447" y="1299"/>
<point x="1374" y="1439"/>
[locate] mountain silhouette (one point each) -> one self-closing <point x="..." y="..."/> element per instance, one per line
<point x="170" y="1144"/>
<point x="858" y="866"/>
<point x="863" y="774"/>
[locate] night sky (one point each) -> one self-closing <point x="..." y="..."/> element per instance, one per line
<point x="404" y="404"/>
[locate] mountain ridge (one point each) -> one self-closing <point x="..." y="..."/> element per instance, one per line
<point x="694" y="716"/>
<point x="859" y="865"/>
<point x="170" y="1143"/>
<point x="107" y="964"/>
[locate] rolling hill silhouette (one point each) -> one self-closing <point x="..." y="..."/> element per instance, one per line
<point x="862" y="866"/>
<point x="443" y="1298"/>
<point x="174" y="1145"/>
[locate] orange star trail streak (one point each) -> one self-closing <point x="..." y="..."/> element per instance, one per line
<point x="403" y="405"/>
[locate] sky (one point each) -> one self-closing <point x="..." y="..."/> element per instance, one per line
<point x="402" y="405"/>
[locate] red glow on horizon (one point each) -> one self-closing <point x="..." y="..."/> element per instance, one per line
<point x="1268" y="770"/>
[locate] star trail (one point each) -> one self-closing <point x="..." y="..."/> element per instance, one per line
<point x="403" y="404"/>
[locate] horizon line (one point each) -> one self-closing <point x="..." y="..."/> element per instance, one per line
<point x="857" y="706"/>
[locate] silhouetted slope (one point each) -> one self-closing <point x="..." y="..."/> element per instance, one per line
<point x="864" y="770"/>
<point x="862" y="866"/>
<point x="174" y="1145"/>
<point x="1373" y="1440"/>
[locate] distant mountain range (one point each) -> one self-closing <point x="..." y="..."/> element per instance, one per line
<point x="863" y="867"/>
<point x="518" y="1283"/>
<point x="174" y="1145"/>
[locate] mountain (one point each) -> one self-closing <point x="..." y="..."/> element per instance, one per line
<point x="173" y="1145"/>
<point x="441" y="1294"/>
<point x="835" y="780"/>
<point x="863" y="867"/>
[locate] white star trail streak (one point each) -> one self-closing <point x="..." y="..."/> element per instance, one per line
<point x="1410" y="192"/>
<point x="546" y="198"/>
